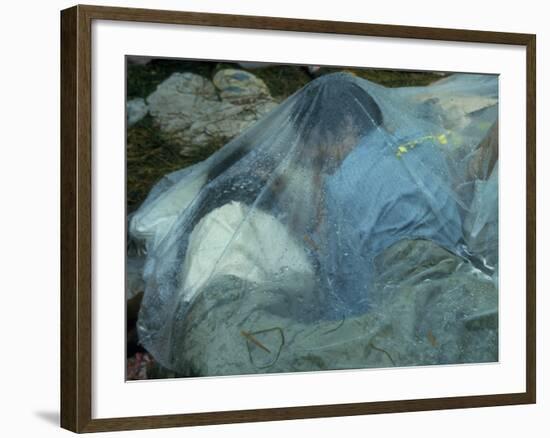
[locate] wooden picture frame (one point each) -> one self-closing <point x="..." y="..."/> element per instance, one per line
<point x="76" y="218"/>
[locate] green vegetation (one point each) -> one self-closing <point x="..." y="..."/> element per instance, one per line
<point x="283" y="80"/>
<point x="142" y="80"/>
<point x="149" y="157"/>
<point x="389" y="78"/>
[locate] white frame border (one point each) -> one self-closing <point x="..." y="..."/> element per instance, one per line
<point x="112" y="397"/>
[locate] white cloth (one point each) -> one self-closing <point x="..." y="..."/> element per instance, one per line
<point x="241" y="241"/>
<point x="153" y="220"/>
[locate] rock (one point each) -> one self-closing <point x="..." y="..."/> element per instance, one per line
<point x="459" y="102"/>
<point x="431" y="308"/>
<point x="180" y="99"/>
<point x="240" y="87"/>
<point x="136" y="109"/>
<point x="190" y="112"/>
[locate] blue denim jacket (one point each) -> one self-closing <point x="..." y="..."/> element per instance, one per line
<point x="389" y="188"/>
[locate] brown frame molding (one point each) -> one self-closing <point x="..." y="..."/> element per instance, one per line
<point x="76" y="173"/>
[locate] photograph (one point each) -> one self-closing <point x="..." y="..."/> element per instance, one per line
<point x="285" y="218"/>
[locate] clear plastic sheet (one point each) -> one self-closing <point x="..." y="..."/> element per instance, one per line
<point x="302" y="206"/>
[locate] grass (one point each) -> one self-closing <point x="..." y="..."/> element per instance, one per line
<point x="283" y="80"/>
<point x="142" y="80"/>
<point x="149" y="157"/>
<point x="389" y="78"/>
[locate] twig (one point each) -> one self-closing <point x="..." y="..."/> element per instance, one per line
<point x="383" y="351"/>
<point x="335" y="328"/>
<point x="254" y="341"/>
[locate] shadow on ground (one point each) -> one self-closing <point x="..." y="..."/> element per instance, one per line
<point x="51" y="417"/>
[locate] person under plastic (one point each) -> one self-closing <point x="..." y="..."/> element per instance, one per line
<point x="302" y="202"/>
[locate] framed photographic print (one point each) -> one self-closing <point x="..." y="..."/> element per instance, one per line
<point x="341" y="214"/>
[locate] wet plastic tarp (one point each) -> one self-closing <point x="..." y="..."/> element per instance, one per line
<point x="307" y="199"/>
